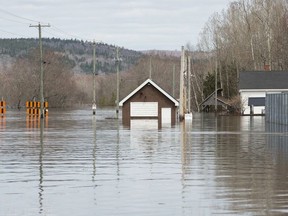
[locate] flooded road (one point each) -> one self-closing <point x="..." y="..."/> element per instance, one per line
<point x="78" y="164"/>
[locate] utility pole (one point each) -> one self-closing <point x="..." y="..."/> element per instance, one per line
<point x="189" y="83"/>
<point x="39" y="26"/>
<point x="117" y="95"/>
<point x="94" y="81"/>
<point x="195" y="81"/>
<point x="182" y="104"/>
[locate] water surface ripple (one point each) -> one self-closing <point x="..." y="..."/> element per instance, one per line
<point x="74" y="163"/>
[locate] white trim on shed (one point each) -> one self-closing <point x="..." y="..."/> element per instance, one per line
<point x="155" y="85"/>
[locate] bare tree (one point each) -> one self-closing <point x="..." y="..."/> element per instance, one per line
<point x="23" y="80"/>
<point x="249" y="35"/>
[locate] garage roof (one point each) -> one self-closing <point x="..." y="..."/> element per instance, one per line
<point x="156" y="86"/>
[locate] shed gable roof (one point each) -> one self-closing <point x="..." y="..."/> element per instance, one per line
<point x="263" y="80"/>
<point x="153" y="84"/>
<point x="210" y="100"/>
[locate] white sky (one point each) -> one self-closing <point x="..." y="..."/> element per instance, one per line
<point x="133" y="24"/>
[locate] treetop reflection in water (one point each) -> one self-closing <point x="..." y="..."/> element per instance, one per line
<point x="85" y="165"/>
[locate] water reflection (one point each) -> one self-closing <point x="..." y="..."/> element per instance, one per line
<point x="278" y="138"/>
<point x="228" y="163"/>
<point x="144" y="135"/>
<point x="118" y="150"/>
<point x="41" y="188"/>
<point x="277" y="141"/>
<point x="94" y="156"/>
<point x="32" y="122"/>
<point x="2" y="122"/>
<point x="244" y="170"/>
<point x="94" y="147"/>
<point x="81" y="164"/>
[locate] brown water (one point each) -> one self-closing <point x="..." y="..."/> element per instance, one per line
<point x="84" y="165"/>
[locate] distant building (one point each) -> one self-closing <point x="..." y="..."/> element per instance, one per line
<point x="209" y="102"/>
<point x="254" y="85"/>
<point x="149" y="102"/>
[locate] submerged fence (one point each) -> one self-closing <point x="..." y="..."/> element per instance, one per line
<point x="276" y="108"/>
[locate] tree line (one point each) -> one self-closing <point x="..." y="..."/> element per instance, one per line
<point x="62" y="88"/>
<point x="21" y="82"/>
<point x="68" y="71"/>
<point x="248" y="35"/>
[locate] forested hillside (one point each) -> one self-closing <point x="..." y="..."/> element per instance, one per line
<point x="78" y="54"/>
<point x="68" y="70"/>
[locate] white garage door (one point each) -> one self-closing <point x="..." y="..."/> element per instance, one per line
<point x="144" y="109"/>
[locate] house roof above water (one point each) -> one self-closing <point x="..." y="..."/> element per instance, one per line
<point x="263" y="80"/>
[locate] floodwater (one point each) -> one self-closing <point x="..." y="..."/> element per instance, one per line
<point x="78" y="164"/>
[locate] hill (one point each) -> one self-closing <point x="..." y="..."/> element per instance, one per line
<point x="78" y="54"/>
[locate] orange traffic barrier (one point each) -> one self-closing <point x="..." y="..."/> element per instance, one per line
<point x="2" y="107"/>
<point x="33" y="108"/>
<point x="2" y="104"/>
<point x="2" y="110"/>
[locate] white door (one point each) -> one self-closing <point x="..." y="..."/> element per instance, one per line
<point x="144" y="109"/>
<point x="166" y="116"/>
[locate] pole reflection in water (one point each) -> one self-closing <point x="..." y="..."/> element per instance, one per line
<point x="41" y="189"/>
<point x="183" y="142"/>
<point x="197" y="169"/>
<point x="94" y="147"/>
<point x="94" y="154"/>
<point x="117" y="151"/>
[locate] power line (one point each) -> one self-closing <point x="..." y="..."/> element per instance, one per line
<point x="62" y="32"/>
<point x="15" y="34"/>
<point x="53" y="28"/>
<point x="11" y="20"/>
<point x="71" y="35"/>
<point x="48" y="32"/>
<point x="20" y="17"/>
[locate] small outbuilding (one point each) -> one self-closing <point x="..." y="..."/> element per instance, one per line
<point x="149" y="102"/>
<point x="209" y="102"/>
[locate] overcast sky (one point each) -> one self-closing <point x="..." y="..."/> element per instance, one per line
<point x="133" y="24"/>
